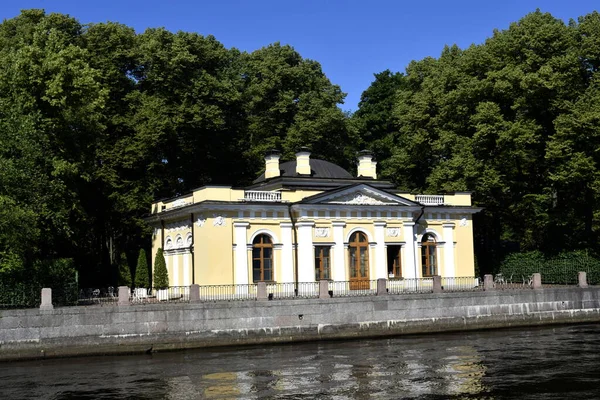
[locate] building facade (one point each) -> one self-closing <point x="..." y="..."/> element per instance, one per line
<point x="307" y="220"/>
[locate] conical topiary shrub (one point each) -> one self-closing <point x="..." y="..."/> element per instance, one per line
<point x="161" y="276"/>
<point x="124" y="278"/>
<point x="141" y="271"/>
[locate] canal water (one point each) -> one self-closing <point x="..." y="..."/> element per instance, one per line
<point x="540" y="363"/>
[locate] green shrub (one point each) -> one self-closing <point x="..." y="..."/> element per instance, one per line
<point x="560" y="269"/>
<point x="141" y="271"/>
<point x="161" y="276"/>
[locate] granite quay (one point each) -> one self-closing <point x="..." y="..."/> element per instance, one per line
<point x="134" y="325"/>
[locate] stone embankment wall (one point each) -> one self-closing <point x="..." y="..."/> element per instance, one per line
<point x="91" y="330"/>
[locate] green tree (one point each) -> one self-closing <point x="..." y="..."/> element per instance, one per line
<point x="161" y="276"/>
<point x="141" y="272"/>
<point x="503" y="119"/>
<point x="124" y="271"/>
<point x="374" y="117"/>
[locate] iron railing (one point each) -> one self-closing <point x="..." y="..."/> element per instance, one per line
<point x="461" y="284"/>
<point x="172" y="294"/>
<point x="305" y="290"/>
<point x="409" y="285"/>
<point x="512" y="282"/>
<point x="353" y="288"/>
<point x="228" y="292"/>
<point x="101" y="296"/>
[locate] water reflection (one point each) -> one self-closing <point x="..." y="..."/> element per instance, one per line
<point x="536" y="364"/>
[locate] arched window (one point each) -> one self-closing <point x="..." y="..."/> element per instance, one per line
<point x="262" y="258"/>
<point x="428" y="255"/>
<point x="358" y="260"/>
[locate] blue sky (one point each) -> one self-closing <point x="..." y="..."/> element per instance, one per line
<point x="351" y="39"/>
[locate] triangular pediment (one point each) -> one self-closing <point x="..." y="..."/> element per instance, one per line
<point x="361" y="194"/>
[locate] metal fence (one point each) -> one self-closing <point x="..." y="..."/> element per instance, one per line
<point x="305" y="290"/>
<point x="461" y="284"/>
<point x="96" y="296"/>
<point x="228" y="292"/>
<point x="172" y="294"/>
<point x="353" y="288"/>
<point x="513" y="282"/>
<point x="19" y="295"/>
<point x="409" y="285"/>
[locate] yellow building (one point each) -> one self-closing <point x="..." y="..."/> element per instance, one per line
<point x="309" y="219"/>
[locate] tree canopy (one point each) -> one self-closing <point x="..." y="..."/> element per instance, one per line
<point x="515" y="121"/>
<point x="97" y="121"/>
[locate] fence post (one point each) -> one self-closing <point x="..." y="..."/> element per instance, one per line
<point x="46" y="299"/>
<point x="582" y="279"/>
<point x="261" y="291"/>
<point x="488" y="282"/>
<point x="324" y="289"/>
<point x="194" y="292"/>
<point x="123" y="296"/>
<point x="537" y="280"/>
<point x="381" y="287"/>
<point x="437" y="284"/>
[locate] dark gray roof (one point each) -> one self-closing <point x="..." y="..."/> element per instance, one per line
<point x="318" y="169"/>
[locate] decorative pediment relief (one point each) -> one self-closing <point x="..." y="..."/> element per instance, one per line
<point x="361" y="194"/>
<point x="358" y="198"/>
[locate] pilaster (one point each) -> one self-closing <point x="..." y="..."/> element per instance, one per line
<point x="380" y="253"/>
<point x="449" y="267"/>
<point x="287" y="255"/>
<point x="410" y="264"/>
<point x="306" y="256"/>
<point x="338" y="272"/>
<point x="240" y="276"/>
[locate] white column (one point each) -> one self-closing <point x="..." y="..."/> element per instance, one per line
<point x="380" y="253"/>
<point x="287" y="255"/>
<point x="338" y="272"/>
<point x="306" y="252"/>
<point x="240" y="272"/>
<point x="187" y="278"/>
<point x="175" y="281"/>
<point x="449" y="269"/>
<point x="409" y="269"/>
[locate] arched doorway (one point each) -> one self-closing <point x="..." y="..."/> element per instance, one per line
<point x="358" y="261"/>
<point x="428" y="255"/>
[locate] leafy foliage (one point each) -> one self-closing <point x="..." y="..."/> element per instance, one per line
<point x="161" y="276"/>
<point x="560" y="269"/>
<point x="513" y="120"/>
<point x="97" y="121"/>
<point x="124" y="271"/>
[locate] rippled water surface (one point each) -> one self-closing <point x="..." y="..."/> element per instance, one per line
<point x="544" y="363"/>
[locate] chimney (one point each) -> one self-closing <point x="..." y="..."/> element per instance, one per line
<point x="367" y="167"/>
<point x="303" y="161"/>
<point x="272" y="164"/>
